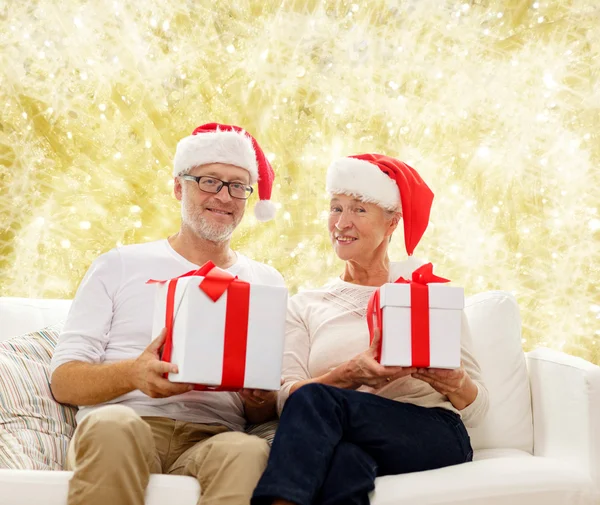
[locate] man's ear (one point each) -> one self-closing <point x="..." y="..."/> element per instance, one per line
<point x="177" y="189"/>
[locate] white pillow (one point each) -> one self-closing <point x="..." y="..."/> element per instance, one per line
<point x="495" y="323"/>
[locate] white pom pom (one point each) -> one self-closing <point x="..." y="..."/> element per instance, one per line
<point x="264" y="210"/>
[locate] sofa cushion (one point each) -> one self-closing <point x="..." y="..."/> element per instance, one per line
<point x="34" y="429"/>
<point x="496" y="328"/>
<point x="23" y="315"/>
<point x="29" y="487"/>
<point x="265" y="431"/>
<point x="500" y="477"/>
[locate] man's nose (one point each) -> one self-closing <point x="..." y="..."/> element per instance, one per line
<point x="223" y="195"/>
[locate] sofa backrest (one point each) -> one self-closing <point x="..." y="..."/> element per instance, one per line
<point x="495" y="323"/>
<point x="24" y="315"/>
<point x="496" y="328"/>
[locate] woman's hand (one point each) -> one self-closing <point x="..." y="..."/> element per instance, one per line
<point x="443" y="381"/>
<point x="456" y="384"/>
<point x="365" y="370"/>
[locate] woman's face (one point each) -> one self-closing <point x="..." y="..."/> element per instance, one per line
<point x="357" y="229"/>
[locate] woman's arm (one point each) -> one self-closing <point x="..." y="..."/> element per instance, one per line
<point x="361" y="370"/>
<point x="473" y="411"/>
<point x="296" y="351"/>
<point x="338" y="377"/>
<point x="464" y="396"/>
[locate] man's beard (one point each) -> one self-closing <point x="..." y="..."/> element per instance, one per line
<point x="195" y="219"/>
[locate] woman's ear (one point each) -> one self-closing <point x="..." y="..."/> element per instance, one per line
<point x="396" y="217"/>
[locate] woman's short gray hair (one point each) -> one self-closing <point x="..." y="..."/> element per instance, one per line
<point x="390" y="214"/>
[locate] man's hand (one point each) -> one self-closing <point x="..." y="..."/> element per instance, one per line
<point x="259" y="405"/>
<point x="258" y="397"/>
<point x="147" y="372"/>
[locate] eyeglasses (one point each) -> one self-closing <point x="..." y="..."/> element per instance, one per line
<point x="213" y="185"/>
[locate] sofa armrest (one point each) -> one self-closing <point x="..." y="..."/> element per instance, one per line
<point x="565" y="393"/>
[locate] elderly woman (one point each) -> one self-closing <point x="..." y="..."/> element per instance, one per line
<point x="347" y="419"/>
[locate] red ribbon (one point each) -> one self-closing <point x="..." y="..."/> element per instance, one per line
<point x="419" y="314"/>
<point x="215" y="283"/>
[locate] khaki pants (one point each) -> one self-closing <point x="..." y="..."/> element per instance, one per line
<point x="114" y="451"/>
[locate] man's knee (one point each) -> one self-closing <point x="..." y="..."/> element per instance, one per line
<point x="234" y="449"/>
<point x="240" y="445"/>
<point x="228" y="466"/>
<point x="111" y="454"/>
<point x="113" y="426"/>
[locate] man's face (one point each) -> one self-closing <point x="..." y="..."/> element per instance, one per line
<point x="211" y="216"/>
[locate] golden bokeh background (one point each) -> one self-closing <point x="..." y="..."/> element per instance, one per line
<point x="495" y="103"/>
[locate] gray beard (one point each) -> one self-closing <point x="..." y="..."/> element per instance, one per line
<point x="212" y="232"/>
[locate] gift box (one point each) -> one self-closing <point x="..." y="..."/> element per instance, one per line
<point x="420" y="321"/>
<point x="224" y="334"/>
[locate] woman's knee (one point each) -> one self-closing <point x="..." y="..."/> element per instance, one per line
<point x="314" y="398"/>
<point x="312" y="393"/>
<point x="346" y="451"/>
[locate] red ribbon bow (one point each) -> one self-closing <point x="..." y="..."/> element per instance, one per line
<point x="419" y="314"/>
<point x="216" y="282"/>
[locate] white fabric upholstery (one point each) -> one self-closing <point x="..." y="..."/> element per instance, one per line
<point x="566" y="416"/>
<point x="496" y="327"/>
<point x="566" y="409"/>
<point x="31" y="487"/>
<point x="497" y="477"/>
<point x="24" y="315"/>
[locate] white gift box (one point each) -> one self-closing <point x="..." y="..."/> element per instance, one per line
<point x="446" y="304"/>
<point x="199" y="334"/>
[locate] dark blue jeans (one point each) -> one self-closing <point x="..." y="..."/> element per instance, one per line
<point x="332" y="443"/>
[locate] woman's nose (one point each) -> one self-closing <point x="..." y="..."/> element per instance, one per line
<point x="344" y="222"/>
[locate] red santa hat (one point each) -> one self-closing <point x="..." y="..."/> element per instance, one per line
<point x="220" y="143"/>
<point x="389" y="183"/>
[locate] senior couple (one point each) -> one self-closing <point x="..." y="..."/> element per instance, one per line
<point x="344" y="418"/>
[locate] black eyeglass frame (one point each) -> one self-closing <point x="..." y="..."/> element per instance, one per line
<point x="198" y="178"/>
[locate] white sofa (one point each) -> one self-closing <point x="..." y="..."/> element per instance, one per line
<point x="540" y="443"/>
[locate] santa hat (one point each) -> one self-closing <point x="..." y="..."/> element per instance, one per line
<point x="389" y="183"/>
<point x="220" y="143"/>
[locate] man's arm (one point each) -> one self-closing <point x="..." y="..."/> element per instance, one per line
<point x="79" y="383"/>
<point x="77" y="372"/>
<point x="79" y="376"/>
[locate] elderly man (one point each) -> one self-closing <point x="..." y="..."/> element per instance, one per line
<point x="131" y="421"/>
